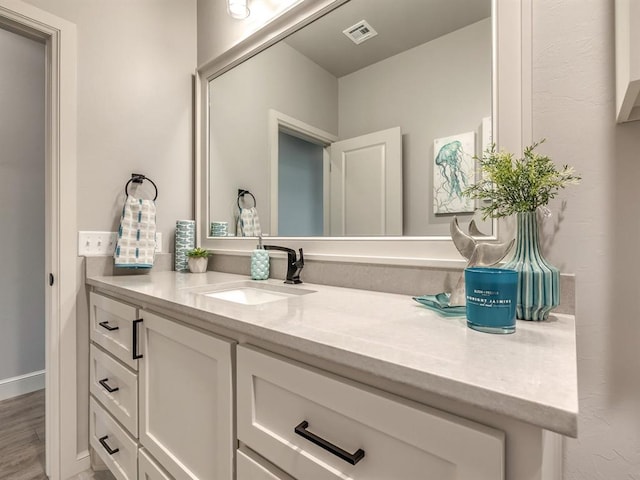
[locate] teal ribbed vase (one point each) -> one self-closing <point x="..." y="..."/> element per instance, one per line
<point x="538" y="280"/>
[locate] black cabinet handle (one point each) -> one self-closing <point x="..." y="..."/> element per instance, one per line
<point x="351" y="458"/>
<point x="136" y="355"/>
<point x="106" y="386"/>
<point x="103" y="442"/>
<point x="107" y="326"/>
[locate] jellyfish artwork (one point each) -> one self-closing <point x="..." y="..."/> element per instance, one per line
<point x="449" y="159"/>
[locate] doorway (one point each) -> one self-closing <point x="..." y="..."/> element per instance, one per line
<point x="22" y="252"/>
<point x="60" y="280"/>
<point x="300" y="187"/>
<point x="314" y="144"/>
<point x="22" y="245"/>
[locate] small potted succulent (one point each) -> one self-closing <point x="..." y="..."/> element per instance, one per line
<point x="521" y="186"/>
<point x="198" y="260"/>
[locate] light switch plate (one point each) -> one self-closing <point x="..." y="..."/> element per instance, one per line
<point x="92" y="244"/>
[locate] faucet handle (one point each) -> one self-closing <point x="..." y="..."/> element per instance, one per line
<point x="301" y="259"/>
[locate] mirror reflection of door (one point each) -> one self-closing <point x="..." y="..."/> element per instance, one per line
<point x="366" y="184"/>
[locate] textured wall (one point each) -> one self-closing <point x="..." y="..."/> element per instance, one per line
<point x="135" y="65"/>
<point x="573" y="103"/>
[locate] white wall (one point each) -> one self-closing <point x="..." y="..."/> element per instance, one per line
<point x="437" y="89"/>
<point x="279" y="78"/>
<point x="573" y="102"/>
<point x="22" y="242"/>
<point x="135" y="65"/>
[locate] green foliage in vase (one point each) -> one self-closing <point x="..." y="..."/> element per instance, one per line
<point x="197" y="253"/>
<point x="515" y="185"/>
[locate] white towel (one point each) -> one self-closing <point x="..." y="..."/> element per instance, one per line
<point x="136" y="243"/>
<point x="248" y="223"/>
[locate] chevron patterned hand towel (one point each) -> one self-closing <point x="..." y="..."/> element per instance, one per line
<point x="136" y="243"/>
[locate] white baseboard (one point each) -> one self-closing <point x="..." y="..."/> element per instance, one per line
<point x="82" y="464"/>
<point x="30" y="382"/>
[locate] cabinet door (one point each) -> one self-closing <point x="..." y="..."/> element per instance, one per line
<point x="186" y="400"/>
<point x="148" y="469"/>
<point x="313" y="425"/>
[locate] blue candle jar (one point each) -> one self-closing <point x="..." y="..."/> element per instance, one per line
<point x="491" y="295"/>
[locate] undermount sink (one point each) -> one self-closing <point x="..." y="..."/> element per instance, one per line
<point x="253" y="293"/>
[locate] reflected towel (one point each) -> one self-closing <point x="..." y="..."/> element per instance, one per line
<point x="248" y="223"/>
<point x="136" y="243"/>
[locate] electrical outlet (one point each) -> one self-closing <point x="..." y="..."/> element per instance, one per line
<point x="92" y="244"/>
<point x="158" y="242"/>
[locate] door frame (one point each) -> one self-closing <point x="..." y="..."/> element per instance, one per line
<point x="279" y="122"/>
<point x="59" y="37"/>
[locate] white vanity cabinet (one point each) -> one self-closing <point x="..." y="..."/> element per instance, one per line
<point x="251" y="393"/>
<point x="168" y="413"/>
<point x="316" y="426"/>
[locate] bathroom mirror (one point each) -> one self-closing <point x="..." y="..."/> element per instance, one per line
<point x="401" y="112"/>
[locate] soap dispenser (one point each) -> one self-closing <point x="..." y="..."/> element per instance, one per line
<point x="259" y="262"/>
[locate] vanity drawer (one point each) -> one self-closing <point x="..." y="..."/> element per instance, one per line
<point x="148" y="469"/>
<point x="114" y="327"/>
<point x="122" y="401"/>
<point x="249" y="467"/>
<point x="112" y="443"/>
<point x="397" y="438"/>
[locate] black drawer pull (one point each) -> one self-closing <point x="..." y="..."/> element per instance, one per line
<point x="351" y="458"/>
<point x="106" y="386"/>
<point x="134" y="350"/>
<point x="108" y="327"/>
<point x="103" y="442"/>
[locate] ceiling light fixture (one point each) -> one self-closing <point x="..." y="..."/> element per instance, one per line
<point x="238" y="9"/>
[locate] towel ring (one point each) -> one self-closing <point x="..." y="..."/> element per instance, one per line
<point x="242" y="193"/>
<point x="139" y="178"/>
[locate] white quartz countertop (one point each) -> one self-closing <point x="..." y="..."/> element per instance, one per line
<point x="529" y="375"/>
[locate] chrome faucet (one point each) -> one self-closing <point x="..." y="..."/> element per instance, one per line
<point x="294" y="265"/>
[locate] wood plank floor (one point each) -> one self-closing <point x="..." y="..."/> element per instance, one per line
<point x="22" y="437"/>
<point x="22" y="455"/>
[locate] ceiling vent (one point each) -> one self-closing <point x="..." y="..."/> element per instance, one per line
<point x="360" y="32"/>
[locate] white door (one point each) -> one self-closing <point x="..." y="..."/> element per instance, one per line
<point x="186" y="400"/>
<point x="366" y="184"/>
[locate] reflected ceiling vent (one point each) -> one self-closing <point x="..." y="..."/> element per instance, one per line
<point x="360" y="32"/>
